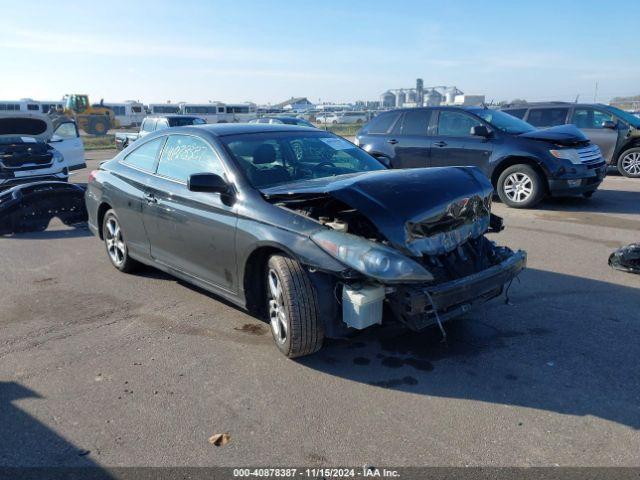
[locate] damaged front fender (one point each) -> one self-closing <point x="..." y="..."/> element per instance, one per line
<point x="30" y="207"/>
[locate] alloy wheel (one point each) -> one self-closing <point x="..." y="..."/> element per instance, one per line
<point x="518" y="187"/>
<point x="631" y="163"/>
<point x="115" y="244"/>
<point x="277" y="313"/>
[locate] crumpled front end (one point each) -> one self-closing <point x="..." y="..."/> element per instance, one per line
<point x="461" y="220"/>
<point x="414" y="239"/>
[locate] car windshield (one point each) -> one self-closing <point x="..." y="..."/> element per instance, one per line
<point x="628" y="117"/>
<point x="185" y="121"/>
<point x="505" y="122"/>
<point x="269" y="159"/>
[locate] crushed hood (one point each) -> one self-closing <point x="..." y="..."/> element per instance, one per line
<point x="562" y="135"/>
<point x="29" y="125"/>
<point x="419" y="211"/>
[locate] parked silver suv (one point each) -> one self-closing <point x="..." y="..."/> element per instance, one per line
<point x="615" y="131"/>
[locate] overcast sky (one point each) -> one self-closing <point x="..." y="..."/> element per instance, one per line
<point x="332" y="50"/>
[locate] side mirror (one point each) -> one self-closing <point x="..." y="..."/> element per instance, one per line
<point x="208" y="182"/>
<point x="55" y="138"/>
<point x="480" y="131"/>
<point x="609" y="124"/>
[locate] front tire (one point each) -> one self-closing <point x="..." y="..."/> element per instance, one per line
<point x="115" y="244"/>
<point x="520" y="186"/>
<point x="629" y="163"/>
<point x="292" y="306"/>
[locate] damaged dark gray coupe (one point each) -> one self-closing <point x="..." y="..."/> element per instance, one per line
<point x="303" y="228"/>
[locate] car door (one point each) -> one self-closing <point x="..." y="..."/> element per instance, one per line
<point x="453" y="144"/>
<point x="66" y="139"/>
<point x="193" y="232"/>
<point x="591" y="121"/>
<point x="411" y="144"/>
<point x="130" y="203"/>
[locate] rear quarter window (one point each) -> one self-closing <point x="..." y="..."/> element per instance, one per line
<point x="547" y="117"/>
<point x="382" y="123"/>
<point x="144" y="157"/>
<point x="517" y="112"/>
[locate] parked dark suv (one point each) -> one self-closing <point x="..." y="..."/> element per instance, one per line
<point x="615" y="131"/>
<point x="523" y="163"/>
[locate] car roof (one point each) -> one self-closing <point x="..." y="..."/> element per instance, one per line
<point x="223" y="129"/>
<point x="467" y="108"/>
<point x="552" y="104"/>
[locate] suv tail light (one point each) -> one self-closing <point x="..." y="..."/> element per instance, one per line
<point x="92" y="176"/>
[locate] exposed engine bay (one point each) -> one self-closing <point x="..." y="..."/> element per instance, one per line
<point x="444" y="233"/>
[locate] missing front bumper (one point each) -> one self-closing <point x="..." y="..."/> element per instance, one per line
<point x="416" y="305"/>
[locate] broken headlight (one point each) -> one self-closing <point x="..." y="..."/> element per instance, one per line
<point x="369" y="258"/>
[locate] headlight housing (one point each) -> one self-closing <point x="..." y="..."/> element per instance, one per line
<point x="371" y="259"/>
<point x="570" y="154"/>
<point x="58" y="157"/>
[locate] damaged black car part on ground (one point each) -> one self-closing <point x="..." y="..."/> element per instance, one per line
<point x="32" y="206"/>
<point x="626" y="259"/>
<point x="303" y="227"/>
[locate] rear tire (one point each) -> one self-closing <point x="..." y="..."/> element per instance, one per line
<point x="115" y="244"/>
<point x="629" y="163"/>
<point x="520" y="186"/>
<point x="292" y="306"/>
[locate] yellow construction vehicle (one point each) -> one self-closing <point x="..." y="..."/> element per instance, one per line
<point x="94" y="120"/>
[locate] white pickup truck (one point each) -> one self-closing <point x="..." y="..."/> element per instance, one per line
<point x="153" y="123"/>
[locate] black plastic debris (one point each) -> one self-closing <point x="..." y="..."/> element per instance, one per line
<point x="626" y="259"/>
<point x="30" y="207"/>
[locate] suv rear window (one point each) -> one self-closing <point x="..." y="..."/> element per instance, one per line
<point x="517" y="112"/>
<point x="547" y="117"/>
<point x="382" y="123"/>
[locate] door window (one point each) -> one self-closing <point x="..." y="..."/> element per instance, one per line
<point x="455" y="124"/>
<point x="517" y="112"/>
<point x="547" y="117"/>
<point x="590" y="118"/>
<point x="144" y="157"/>
<point x="184" y="155"/>
<point x="382" y="123"/>
<point x="66" y="130"/>
<point x="416" y="122"/>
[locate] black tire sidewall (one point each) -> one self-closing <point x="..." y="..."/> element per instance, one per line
<point x="619" y="162"/>
<point x="296" y="291"/>
<point x="272" y="264"/>
<point x="538" y="187"/>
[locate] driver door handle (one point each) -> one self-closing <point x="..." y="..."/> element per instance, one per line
<point x="393" y="141"/>
<point x="440" y="144"/>
<point x="150" y="198"/>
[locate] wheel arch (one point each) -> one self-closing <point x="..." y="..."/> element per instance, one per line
<point x="102" y="210"/>
<point x="253" y="282"/>
<point x="518" y="160"/>
<point x="632" y="143"/>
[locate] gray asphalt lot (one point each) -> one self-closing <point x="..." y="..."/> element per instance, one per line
<point x="103" y="368"/>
